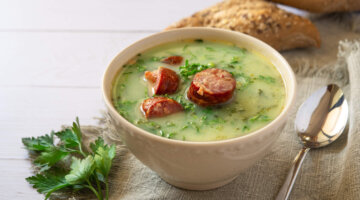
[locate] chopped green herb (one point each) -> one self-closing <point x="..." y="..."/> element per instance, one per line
<point x="211" y="64"/>
<point x="217" y="120"/>
<point x="207" y="110"/>
<point x="156" y="59"/>
<point x="171" y="135"/>
<point x="162" y="134"/>
<point x="187" y="105"/>
<point x="231" y="66"/>
<point x="140" y="65"/>
<point x="185" y="127"/>
<point x="146" y="92"/>
<point x="194" y="125"/>
<point x="242" y="81"/>
<point x="260" y="92"/>
<point x="267" y="79"/>
<point x="170" y="124"/>
<point x="209" y="49"/>
<point x="191" y="69"/>
<point x="149" y="124"/>
<point x="235" y="110"/>
<point x="259" y="117"/>
<point x="245" y="128"/>
<point x="141" y="68"/>
<point x="199" y="40"/>
<point x="235" y="60"/>
<point x="123" y="107"/>
<point x="219" y="127"/>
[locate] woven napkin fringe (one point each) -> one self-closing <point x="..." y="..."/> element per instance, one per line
<point x="349" y="52"/>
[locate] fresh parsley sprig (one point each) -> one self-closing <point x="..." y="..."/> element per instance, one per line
<point x="87" y="170"/>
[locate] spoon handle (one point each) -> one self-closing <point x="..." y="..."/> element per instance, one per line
<point x="291" y="177"/>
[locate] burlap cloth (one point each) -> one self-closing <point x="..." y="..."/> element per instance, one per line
<point x="332" y="172"/>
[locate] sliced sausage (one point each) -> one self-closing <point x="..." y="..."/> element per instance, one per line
<point x="172" y="60"/>
<point x="160" y="107"/>
<point x="151" y="76"/>
<point x="211" y="87"/>
<point x="165" y="80"/>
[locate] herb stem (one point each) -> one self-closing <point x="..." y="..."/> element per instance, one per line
<point x="81" y="151"/>
<point x="107" y="189"/>
<point x="99" y="187"/>
<point x="93" y="189"/>
<point x="54" y="189"/>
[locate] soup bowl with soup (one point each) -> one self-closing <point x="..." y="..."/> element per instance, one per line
<point x="199" y="105"/>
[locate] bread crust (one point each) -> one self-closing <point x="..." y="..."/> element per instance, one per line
<point x="323" y="6"/>
<point x="263" y="20"/>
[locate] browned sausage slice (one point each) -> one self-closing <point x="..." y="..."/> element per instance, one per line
<point x="172" y="60"/>
<point x="211" y="87"/>
<point x="165" y="80"/>
<point x="151" y="76"/>
<point x="160" y="107"/>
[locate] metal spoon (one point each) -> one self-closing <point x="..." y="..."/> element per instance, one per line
<point x="319" y="121"/>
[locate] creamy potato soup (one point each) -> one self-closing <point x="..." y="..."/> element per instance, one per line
<point x="199" y="90"/>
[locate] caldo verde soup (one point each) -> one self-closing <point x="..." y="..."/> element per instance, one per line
<point x="199" y="90"/>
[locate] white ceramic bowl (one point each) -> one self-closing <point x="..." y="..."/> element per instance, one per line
<point x="199" y="165"/>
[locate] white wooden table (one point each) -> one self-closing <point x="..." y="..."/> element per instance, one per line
<point x="52" y="57"/>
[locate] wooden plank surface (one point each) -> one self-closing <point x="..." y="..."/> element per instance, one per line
<point x="59" y="58"/>
<point x="108" y="15"/>
<point x="33" y="111"/>
<point x="13" y="184"/>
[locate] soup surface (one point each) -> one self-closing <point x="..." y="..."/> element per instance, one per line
<point x="258" y="98"/>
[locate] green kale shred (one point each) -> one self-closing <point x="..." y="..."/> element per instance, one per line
<point x="188" y="70"/>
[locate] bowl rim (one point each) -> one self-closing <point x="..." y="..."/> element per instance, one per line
<point x="278" y="120"/>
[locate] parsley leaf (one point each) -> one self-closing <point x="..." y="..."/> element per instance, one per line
<point x="99" y="142"/>
<point x="103" y="159"/>
<point x="40" y="143"/>
<point x="50" y="157"/>
<point x="80" y="170"/>
<point x="47" y="184"/>
<point x="69" y="138"/>
<point x="76" y="130"/>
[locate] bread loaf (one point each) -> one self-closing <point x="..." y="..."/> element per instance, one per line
<point x="258" y="18"/>
<point x="323" y="6"/>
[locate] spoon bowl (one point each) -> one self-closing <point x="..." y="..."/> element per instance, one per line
<point x="322" y="117"/>
<point x="320" y="120"/>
